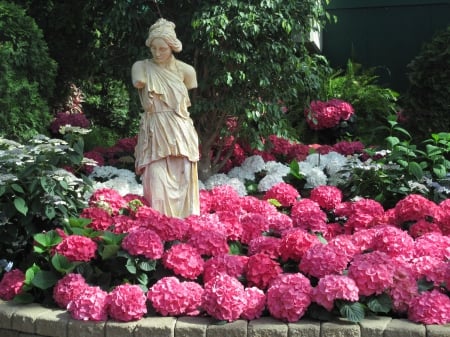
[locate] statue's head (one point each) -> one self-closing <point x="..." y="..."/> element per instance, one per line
<point x="165" y="30"/>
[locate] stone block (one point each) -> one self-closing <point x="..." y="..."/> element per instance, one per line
<point x="232" y="329"/>
<point x="304" y="328"/>
<point x="7" y="311"/>
<point x="374" y="326"/>
<point x="53" y="323"/>
<point x="404" y="328"/>
<point x="120" y="329"/>
<point x="438" y="330"/>
<point x="76" y="328"/>
<point x="267" y="327"/>
<point x="155" y="326"/>
<point x="25" y="316"/>
<point x="8" y="333"/>
<point x="192" y="326"/>
<point x="340" y="328"/>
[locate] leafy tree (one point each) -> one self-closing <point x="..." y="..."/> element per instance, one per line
<point x="251" y="58"/>
<point x="26" y="75"/>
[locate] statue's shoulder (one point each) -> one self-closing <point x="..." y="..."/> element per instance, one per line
<point x="189" y="74"/>
<point x="139" y="64"/>
<point x="185" y="68"/>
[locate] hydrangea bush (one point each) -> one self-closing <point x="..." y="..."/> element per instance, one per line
<point x="289" y="253"/>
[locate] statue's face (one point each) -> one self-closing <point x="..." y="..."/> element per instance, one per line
<point x="160" y="50"/>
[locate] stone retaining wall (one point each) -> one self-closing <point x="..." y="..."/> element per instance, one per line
<point x="36" y="321"/>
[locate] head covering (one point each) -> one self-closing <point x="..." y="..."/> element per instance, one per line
<point x="165" y="30"/>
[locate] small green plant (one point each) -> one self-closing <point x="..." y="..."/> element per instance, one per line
<point x="373" y="103"/>
<point x="36" y="192"/>
<point x="402" y="168"/>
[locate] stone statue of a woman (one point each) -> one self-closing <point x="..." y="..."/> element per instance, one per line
<point x="167" y="149"/>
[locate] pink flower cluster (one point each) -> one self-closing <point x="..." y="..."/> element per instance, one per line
<point x="77" y="248"/>
<point x="324" y="115"/>
<point x="368" y="251"/>
<point x="284" y="193"/>
<point x="11" y="284"/>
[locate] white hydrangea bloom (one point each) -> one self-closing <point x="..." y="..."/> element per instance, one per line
<point x="253" y="164"/>
<point x="315" y="178"/>
<point x="222" y="179"/>
<point x="273" y="167"/>
<point x="240" y="173"/>
<point x="269" y="181"/>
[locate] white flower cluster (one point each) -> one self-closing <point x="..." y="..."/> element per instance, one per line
<point x="122" y="180"/>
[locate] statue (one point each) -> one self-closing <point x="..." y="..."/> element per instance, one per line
<point x="167" y="150"/>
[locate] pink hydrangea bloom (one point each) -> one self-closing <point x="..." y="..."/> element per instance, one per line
<point x="323" y="259"/>
<point x="279" y="222"/>
<point x="184" y="260"/>
<point x="233" y="265"/>
<point x="170" y="297"/>
<point x="364" y="239"/>
<point x="222" y="197"/>
<point x="11" y="284"/>
<point x="433" y="244"/>
<point x="431" y="307"/>
<point x="126" y="303"/>
<point x="205" y="201"/>
<point x="431" y="268"/>
<point x="170" y="229"/>
<point x="253" y="226"/>
<point x="328" y="197"/>
<point x="90" y="305"/>
<point x="64" y="118"/>
<point x="230" y="220"/>
<point x="107" y="198"/>
<point x="68" y="288"/>
<point x="268" y="245"/>
<point x="284" y="193"/>
<point x="147" y="216"/>
<point x="256" y="303"/>
<point x="414" y="207"/>
<point x="251" y="204"/>
<point x="209" y="243"/>
<point x="204" y="222"/>
<point x="261" y="270"/>
<point x="365" y="213"/>
<point x="347" y="148"/>
<point x="124" y="224"/>
<point x="224" y="298"/>
<point x="144" y="242"/>
<point x="308" y="215"/>
<point x="404" y="288"/>
<point x="335" y="287"/>
<point x="295" y="242"/>
<point x="289" y="296"/>
<point x="394" y="241"/>
<point x="77" y="248"/>
<point x="373" y="272"/>
<point x="101" y="219"/>
<point x="423" y="226"/>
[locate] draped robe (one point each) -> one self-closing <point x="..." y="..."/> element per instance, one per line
<point x="167" y="149"/>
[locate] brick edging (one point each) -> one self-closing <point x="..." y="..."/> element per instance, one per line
<point x="34" y="320"/>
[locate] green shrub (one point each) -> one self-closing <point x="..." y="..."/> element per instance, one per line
<point x="373" y="104"/>
<point x="36" y="193"/>
<point x="27" y="75"/>
<point x="427" y="103"/>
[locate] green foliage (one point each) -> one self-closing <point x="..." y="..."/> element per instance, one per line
<point x="27" y="75"/>
<point x="36" y="194"/>
<point x="373" y="104"/>
<point x="107" y="105"/>
<point x="251" y="58"/>
<point x="403" y="168"/>
<point x="427" y="103"/>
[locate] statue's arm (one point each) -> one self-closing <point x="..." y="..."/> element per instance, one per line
<point x="138" y="77"/>
<point x="190" y="76"/>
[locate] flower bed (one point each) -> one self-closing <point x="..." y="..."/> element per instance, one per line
<point x="244" y="258"/>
